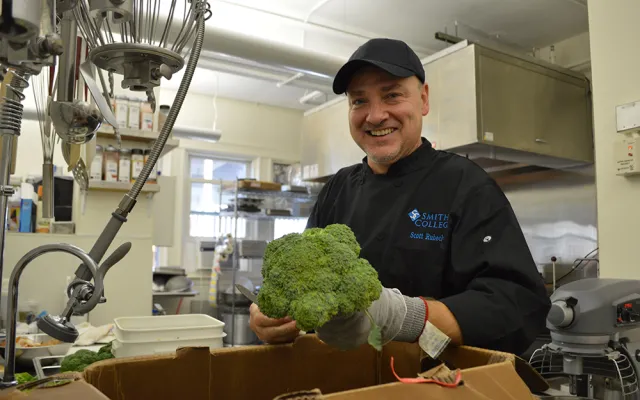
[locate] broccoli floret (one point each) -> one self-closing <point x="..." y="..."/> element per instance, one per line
<point x="340" y="232"/>
<point x="81" y="359"/>
<point x="105" y="351"/>
<point x="24" y="377"/>
<point x="315" y="276"/>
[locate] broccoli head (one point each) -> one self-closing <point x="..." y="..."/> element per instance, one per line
<point x="81" y="359"/>
<point x="315" y="276"/>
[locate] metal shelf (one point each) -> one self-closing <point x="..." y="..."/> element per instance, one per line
<point x="255" y="215"/>
<point x="175" y="294"/>
<point x="272" y="194"/>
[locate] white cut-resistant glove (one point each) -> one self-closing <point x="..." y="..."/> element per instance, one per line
<point x="348" y="332"/>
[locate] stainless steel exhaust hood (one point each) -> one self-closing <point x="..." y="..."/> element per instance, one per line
<point x="505" y="111"/>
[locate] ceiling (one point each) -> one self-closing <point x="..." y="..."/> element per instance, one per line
<point x="338" y="27"/>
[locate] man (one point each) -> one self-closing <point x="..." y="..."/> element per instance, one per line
<point x="439" y="231"/>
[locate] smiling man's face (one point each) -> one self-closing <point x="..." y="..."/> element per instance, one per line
<point x="385" y="115"/>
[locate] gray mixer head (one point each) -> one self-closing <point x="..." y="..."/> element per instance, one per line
<point x="588" y="314"/>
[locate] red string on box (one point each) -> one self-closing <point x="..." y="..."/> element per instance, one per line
<point x="453" y="384"/>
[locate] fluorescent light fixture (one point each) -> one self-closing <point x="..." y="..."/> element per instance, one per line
<point x="310" y="96"/>
<point x="205" y="135"/>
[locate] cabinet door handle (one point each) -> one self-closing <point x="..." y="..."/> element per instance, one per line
<point x="541" y="141"/>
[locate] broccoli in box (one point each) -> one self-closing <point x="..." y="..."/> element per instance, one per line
<point x="81" y="359"/>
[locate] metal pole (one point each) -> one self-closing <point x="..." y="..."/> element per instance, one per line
<point x="67" y="61"/>
<point x="6" y="157"/>
<point x="236" y="262"/>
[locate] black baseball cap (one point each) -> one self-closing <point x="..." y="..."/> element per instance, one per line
<point x="393" y="56"/>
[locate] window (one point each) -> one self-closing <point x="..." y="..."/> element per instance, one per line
<point x="283" y="226"/>
<point x="207" y="202"/>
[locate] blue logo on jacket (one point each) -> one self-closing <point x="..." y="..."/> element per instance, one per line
<point x="415" y="214"/>
<point x="428" y="221"/>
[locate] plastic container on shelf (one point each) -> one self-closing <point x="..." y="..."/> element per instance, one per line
<point x="124" y="166"/>
<point x="162" y="115"/>
<point x="153" y="175"/>
<point x="133" y="121"/>
<point x="137" y="163"/>
<point x="122" y="349"/>
<point x="167" y="327"/>
<point x="146" y="116"/>
<point x="110" y="156"/>
<point x="122" y="111"/>
<point x="96" y="164"/>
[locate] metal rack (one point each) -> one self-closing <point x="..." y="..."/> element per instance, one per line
<point x="234" y="189"/>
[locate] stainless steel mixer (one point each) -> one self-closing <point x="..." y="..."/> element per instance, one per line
<point x="595" y="339"/>
<point x="126" y="37"/>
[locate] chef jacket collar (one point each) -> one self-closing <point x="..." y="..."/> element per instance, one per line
<point x="422" y="157"/>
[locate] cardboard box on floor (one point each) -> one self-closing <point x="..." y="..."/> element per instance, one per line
<point x="269" y="372"/>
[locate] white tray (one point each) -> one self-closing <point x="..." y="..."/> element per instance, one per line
<point x="166" y="327"/>
<point x="132" y="349"/>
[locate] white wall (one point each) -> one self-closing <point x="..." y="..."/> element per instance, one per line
<point x="248" y="129"/>
<point x="615" y="57"/>
<point x="571" y="53"/>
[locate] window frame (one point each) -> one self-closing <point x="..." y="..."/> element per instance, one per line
<point x="189" y="181"/>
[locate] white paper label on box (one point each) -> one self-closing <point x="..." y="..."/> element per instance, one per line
<point x="433" y="341"/>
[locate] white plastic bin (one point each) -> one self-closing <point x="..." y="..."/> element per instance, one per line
<point x="167" y="328"/>
<point x="132" y="349"/>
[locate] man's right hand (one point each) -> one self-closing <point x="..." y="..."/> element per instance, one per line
<point x="271" y="330"/>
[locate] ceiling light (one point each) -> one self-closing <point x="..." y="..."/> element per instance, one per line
<point x="310" y="96"/>
<point x="205" y="135"/>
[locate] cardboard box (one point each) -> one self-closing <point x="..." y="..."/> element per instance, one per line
<point x="306" y="369"/>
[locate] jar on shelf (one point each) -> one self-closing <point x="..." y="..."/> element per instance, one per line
<point x="137" y="163"/>
<point x="146" y="117"/>
<point x="162" y="116"/>
<point x="122" y="111"/>
<point x="124" y="167"/>
<point x="110" y="164"/>
<point x="134" y="114"/>
<point x="96" y="164"/>
<point x="153" y="175"/>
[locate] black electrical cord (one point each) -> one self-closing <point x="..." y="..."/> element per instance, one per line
<point x="577" y="265"/>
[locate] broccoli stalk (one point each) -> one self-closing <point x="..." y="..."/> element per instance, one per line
<point x="317" y="275"/>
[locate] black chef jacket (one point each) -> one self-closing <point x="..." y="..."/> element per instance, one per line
<point x="437" y="225"/>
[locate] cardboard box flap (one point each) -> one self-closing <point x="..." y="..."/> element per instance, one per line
<point x="465" y="357"/>
<point x="491" y="382"/>
<point x="533" y="379"/>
